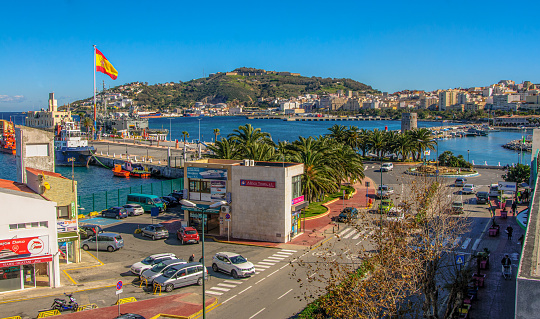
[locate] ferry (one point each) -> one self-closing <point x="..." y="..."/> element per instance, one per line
<point x="150" y="115"/>
<point x="7" y="137"/>
<point x="70" y="143"/>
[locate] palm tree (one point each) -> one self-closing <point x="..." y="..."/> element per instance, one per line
<point x="403" y="145"/>
<point x="422" y="140"/>
<point x="260" y="152"/>
<point x="88" y="123"/>
<point x="376" y="142"/>
<point x="185" y="134"/>
<point x="338" y="132"/>
<point x="216" y="133"/>
<point x="223" y="149"/>
<point x="248" y="135"/>
<point x="363" y="140"/>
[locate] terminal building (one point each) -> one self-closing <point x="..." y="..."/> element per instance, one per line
<point x="263" y="199"/>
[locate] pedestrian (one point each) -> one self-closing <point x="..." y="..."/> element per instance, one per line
<point x="514" y="208"/>
<point x="506" y="263"/>
<point x="520" y="240"/>
<point x="201" y="260"/>
<point x="509" y="231"/>
<point x="191" y="258"/>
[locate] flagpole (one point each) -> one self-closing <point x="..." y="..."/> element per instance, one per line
<point x="95" y="122"/>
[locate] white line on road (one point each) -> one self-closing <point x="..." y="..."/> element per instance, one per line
<point x="313" y="274"/>
<point x="466" y="243"/>
<point x="284" y="294"/>
<point x="265" y="263"/>
<point x="233" y="282"/>
<point x="226" y="285"/>
<point x="277" y="257"/>
<point x="283" y="266"/>
<point x="260" y="280"/>
<point x="219" y="288"/>
<point x="343" y="232"/>
<point x="257" y="269"/>
<point x="262" y="266"/>
<point x="350" y="234"/>
<point x="214" y="293"/>
<point x="293" y="251"/>
<point x="229" y="299"/>
<point x="282" y="254"/>
<point x="271" y="260"/>
<point x="245" y="289"/>
<point x="476" y="244"/>
<point x="257" y="313"/>
<point x="272" y="273"/>
<point x="357" y="235"/>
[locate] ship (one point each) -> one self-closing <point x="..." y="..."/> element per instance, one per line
<point x="7" y="137"/>
<point x="70" y="147"/>
<point x="150" y="115"/>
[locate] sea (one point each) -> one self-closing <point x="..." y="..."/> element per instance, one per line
<point x="480" y="149"/>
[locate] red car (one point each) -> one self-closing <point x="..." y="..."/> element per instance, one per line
<point x="188" y="235"/>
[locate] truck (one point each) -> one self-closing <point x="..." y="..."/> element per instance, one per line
<point x="384" y="191"/>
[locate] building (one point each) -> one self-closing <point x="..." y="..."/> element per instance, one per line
<point x="513" y="120"/>
<point x="427" y="101"/>
<point x="408" y="122"/>
<point x="447" y="98"/>
<point x="50" y="118"/>
<point x="264" y="199"/>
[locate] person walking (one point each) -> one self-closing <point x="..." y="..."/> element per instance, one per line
<point x="506" y="264"/>
<point x="514" y="208"/>
<point x="191" y="258"/>
<point x="509" y="231"/>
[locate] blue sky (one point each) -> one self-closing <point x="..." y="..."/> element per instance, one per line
<point x="392" y="45"/>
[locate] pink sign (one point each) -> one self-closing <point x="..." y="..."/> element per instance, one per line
<point x="245" y="182"/>
<point x="26" y="261"/>
<point x="298" y="200"/>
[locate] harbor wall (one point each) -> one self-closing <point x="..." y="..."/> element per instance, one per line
<point x="163" y="170"/>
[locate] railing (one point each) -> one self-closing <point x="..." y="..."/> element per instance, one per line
<point x="118" y="197"/>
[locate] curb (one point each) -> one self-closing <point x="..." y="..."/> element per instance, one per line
<point x="445" y="176"/>
<point x="238" y="243"/>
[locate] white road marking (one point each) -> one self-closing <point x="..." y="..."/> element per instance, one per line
<point x="456" y="242"/>
<point x="265" y="263"/>
<point x="262" y="266"/>
<point x="271" y="260"/>
<point x="219" y="288"/>
<point x="313" y="274"/>
<point x="281" y="255"/>
<point x="278" y="257"/>
<point x="260" y="280"/>
<point x="214" y="293"/>
<point x="229" y="299"/>
<point x="257" y="269"/>
<point x="272" y="273"/>
<point x="350" y="234"/>
<point x="344" y="231"/>
<point x="476" y="244"/>
<point x="357" y="235"/>
<point x="284" y="294"/>
<point x="257" y="313"/>
<point x="466" y="243"/>
<point x="245" y="289"/>
<point x="226" y="285"/>
<point x="284" y="266"/>
<point x="293" y="251"/>
<point x="284" y="252"/>
<point x="233" y="282"/>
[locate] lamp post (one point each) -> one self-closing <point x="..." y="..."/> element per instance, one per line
<point x="468" y="161"/>
<point x="203" y="211"/>
<point x="199" y="129"/>
<point x="72" y="160"/>
<point x="170" y="129"/>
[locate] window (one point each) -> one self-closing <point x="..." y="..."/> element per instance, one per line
<point x="191" y="270"/>
<point x="21" y="226"/>
<point x="199" y="186"/>
<point x="12" y="226"/>
<point x="44" y="224"/>
<point x="34" y="224"/>
<point x="296" y="186"/>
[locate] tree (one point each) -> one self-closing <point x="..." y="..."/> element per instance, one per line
<point x="223" y="149"/>
<point x="518" y="174"/>
<point x="88" y="123"/>
<point x="216" y="133"/>
<point x="185" y="135"/>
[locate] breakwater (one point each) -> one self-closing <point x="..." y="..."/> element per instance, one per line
<point x="518" y="145"/>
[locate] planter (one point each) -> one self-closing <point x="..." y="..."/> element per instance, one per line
<point x="479" y="278"/>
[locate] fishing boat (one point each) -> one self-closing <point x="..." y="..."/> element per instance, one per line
<point x="7" y="137"/>
<point x="70" y="147"/>
<point x="136" y="170"/>
<point x="119" y="171"/>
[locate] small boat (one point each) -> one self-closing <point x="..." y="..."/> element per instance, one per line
<point x="118" y="171"/>
<point x="136" y="170"/>
<point x="7" y="137"/>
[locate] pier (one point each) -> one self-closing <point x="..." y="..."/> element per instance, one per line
<point x="316" y="119"/>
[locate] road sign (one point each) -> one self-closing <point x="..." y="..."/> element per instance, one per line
<point x="119" y="285"/>
<point x="228" y="216"/>
<point x="119" y="291"/>
<point x="154" y="211"/>
<point x="460" y="259"/>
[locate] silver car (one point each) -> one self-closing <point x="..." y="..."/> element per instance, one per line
<point x="150" y="261"/>
<point x="150" y="274"/>
<point x="181" y="275"/>
<point x="105" y="241"/>
<point x="156" y="231"/>
<point x="134" y="209"/>
<point x="233" y="264"/>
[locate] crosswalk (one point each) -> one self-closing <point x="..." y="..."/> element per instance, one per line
<point x="225" y="286"/>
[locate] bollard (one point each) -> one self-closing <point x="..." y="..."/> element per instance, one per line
<point x="100" y="153"/>
<point x="107" y="154"/>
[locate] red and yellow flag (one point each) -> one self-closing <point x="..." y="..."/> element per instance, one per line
<point x="104" y="66"/>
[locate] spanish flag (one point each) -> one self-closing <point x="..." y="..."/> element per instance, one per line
<point x="104" y="66"/>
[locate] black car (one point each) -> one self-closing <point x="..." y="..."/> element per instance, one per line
<point x="171" y="201"/>
<point x="87" y="231"/>
<point x="130" y="316"/>
<point x="482" y="197"/>
<point x="347" y="213"/>
<point x="178" y="196"/>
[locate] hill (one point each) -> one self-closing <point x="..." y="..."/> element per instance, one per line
<point x="247" y="86"/>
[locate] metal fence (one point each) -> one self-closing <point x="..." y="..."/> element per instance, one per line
<point x="118" y="197"/>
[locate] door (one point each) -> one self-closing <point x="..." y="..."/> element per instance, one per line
<point x="227" y="265"/>
<point x="181" y="279"/>
<point x="29" y="276"/>
<point x="192" y="275"/>
<point x="103" y="242"/>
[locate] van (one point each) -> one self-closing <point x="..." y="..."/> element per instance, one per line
<point x="146" y="201"/>
<point x="181" y="275"/>
<point x="105" y="241"/>
<point x="494" y="190"/>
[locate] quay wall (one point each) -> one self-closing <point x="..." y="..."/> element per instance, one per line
<point x="162" y="170"/>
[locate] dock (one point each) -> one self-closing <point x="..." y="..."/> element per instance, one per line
<point x="316" y="119"/>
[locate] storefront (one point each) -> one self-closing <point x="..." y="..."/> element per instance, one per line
<point x="68" y="241"/>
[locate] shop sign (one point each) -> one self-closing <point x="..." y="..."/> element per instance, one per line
<point x="24" y="247"/>
<point x="507" y="187"/>
<point x="298" y="200"/>
<point x="206" y="173"/>
<point x="26" y="261"/>
<point x="250" y="183"/>
<point x="63" y="226"/>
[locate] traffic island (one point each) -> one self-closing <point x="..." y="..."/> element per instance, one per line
<point x="431" y="170"/>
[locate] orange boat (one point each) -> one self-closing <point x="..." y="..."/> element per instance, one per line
<point x="7" y="138"/>
<point x="118" y="171"/>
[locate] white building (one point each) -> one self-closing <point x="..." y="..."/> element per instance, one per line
<point x="28" y="238"/>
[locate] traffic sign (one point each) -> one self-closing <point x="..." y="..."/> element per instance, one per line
<point x="119" y="292"/>
<point x="119" y="285"/>
<point x="228" y="216"/>
<point x="460" y="259"/>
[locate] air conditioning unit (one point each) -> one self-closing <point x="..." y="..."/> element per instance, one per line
<point x="225" y="209"/>
<point x="246" y="162"/>
<point x="251" y="163"/>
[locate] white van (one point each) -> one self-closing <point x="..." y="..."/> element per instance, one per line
<point x="494" y="190"/>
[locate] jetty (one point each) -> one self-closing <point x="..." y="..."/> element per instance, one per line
<point x="316" y="119"/>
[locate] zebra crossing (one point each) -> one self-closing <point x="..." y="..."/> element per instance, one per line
<point x="225" y="286"/>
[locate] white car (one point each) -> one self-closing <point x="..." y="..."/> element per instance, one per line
<point x="149" y="262"/>
<point x="134" y="209"/>
<point x="387" y="167"/>
<point x="233" y="264"/>
<point x="468" y="189"/>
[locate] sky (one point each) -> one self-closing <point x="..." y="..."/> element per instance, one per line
<point x="46" y="46"/>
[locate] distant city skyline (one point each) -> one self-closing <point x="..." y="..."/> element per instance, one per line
<point x="392" y="46"/>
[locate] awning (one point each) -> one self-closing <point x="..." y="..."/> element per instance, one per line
<point x="300" y="205"/>
<point x="201" y="209"/>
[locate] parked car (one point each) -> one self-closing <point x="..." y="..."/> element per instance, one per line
<point x="387" y="167"/>
<point x="129" y="316"/>
<point x="457" y="207"/>
<point x="150" y="274"/>
<point x="156" y="231"/>
<point x="494" y="190"/>
<point x="179" y="196"/>
<point x="150" y="261"/>
<point x="114" y="212"/>
<point x="384" y="191"/>
<point x="385" y="206"/>
<point x="468" y="189"/>
<point x="171" y="201"/>
<point x="482" y="198"/>
<point x="103" y="241"/>
<point x="181" y="275"/>
<point x="232" y="263"/>
<point x="395" y="214"/>
<point x="347" y="213"/>
<point x="460" y="181"/>
<point x="87" y="231"/>
<point x="134" y="209"/>
<point x="187" y="235"/>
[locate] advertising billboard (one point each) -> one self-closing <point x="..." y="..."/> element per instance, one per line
<point x="206" y="173"/>
<point x="24" y="247"/>
<point x="64" y="226"/>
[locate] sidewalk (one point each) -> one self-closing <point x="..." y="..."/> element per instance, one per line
<point x="496" y="300"/>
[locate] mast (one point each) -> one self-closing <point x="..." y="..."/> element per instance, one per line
<point x="95" y="122"/>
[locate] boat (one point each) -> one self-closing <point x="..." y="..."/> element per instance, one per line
<point x="70" y="147"/>
<point x="150" y="116"/>
<point x="7" y="137"/>
<point x="136" y="170"/>
<point x="120" y="172"/>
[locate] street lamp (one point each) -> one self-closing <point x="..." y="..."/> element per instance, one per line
<point x="72" y="160"/>
<point x="468" y="161"/>
<point x="170" y="129"/>
<point x="202" y="210"/>
<point x="199" y="129"/>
